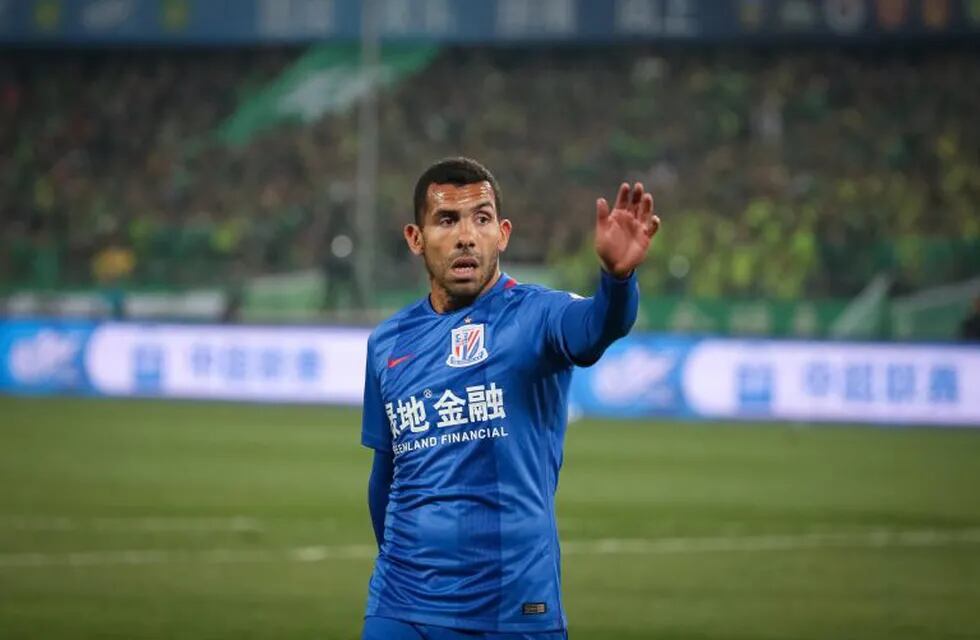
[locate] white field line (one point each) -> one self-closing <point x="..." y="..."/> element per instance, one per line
<point x="877" y="538"/>
<point x="880" y="538"/>
<point x="150" y="524"/>
<point x="172" y="556"/>
<point x="155" y="524"/>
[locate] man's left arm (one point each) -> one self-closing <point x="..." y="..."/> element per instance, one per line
<point x="622" y="240"/>
<point x="590" y="325"/>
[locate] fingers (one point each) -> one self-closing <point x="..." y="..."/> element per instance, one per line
<point x="601" y="209"/>
<point x="631" y="199"/>
<point x="652" y="226"/>
<point x="636" y="197"/>
<point x="637" y="201"/>
<point x="623" y="197"/>
<point x="646" y="207"/>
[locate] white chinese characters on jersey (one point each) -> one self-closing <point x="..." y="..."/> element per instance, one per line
<point x="481" y="403"/>
<point x="450" y="408"/>
<point x="485" y="403"/>
<point x="392" y="420"/>
<point x="411" y="415"/>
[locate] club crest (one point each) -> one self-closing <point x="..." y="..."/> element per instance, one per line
<point x="466" y="346"/>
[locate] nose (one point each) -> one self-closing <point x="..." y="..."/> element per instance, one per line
<point x="466" y="234"/>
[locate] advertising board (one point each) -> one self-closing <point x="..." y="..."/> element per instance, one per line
<point x="641" y="376"/>
<point x="495" y="22"/>
<point x="713" y="378"/>
<point x="264" y="364"/>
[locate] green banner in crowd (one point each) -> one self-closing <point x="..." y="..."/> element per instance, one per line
<point x="327" y="79"/>
<point x="802" y="318"/>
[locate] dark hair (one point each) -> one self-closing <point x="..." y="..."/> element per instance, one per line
<point x="456" y="171"/>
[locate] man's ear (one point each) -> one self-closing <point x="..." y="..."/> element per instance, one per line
<point x="413" y="237"/>
<point x="505" y="229"/>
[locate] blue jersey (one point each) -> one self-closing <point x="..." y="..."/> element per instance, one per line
<point x="472" y="404"/>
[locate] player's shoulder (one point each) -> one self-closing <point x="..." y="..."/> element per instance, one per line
<point x="541" y="294"/>
<point x="387" y="331"/>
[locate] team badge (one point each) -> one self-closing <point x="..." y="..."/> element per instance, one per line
<point x="466" y="346"/>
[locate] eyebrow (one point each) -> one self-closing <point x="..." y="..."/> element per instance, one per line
<point x="444" y="210"/>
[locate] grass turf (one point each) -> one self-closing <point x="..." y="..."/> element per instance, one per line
<point x="251" y="522"/>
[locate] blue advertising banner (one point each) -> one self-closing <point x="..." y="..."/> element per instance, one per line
<point x="261" y="364"/>
<point x="642" y="376"/>
<point x="44" y="357"/>
<point x="495" y="22"/>
<point x="783" y="380"/>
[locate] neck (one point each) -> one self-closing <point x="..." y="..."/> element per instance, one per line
<point x="443" y="301"/>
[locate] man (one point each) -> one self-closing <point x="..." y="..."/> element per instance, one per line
<point x="465" y="407"/>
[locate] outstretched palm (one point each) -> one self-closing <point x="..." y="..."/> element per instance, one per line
<point x="622" y="236"/>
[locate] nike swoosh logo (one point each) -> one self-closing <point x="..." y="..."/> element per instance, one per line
<point x="394" y="362"/>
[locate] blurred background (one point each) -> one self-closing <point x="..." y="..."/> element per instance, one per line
<point x="201" y="204"/>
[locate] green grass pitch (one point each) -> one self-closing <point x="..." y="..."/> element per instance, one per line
<point x="144" y="519"/>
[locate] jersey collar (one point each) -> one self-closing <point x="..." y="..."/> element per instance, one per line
<point x="503" y="282"/>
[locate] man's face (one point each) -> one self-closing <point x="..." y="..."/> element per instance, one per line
<point x="461" y="237"/>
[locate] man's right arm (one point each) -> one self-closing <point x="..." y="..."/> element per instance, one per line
<point x="376" y="434"/>
<point x="379" y="488"/>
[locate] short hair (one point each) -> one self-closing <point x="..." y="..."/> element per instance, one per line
<point x="455" y="171"/>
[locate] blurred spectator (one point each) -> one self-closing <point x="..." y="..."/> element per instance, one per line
<point x="111" y="267"/>
<point x="112" y="264"/>
<point x="780" y="173"/>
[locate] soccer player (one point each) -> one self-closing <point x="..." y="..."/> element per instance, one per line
<point x="465" y="408"/>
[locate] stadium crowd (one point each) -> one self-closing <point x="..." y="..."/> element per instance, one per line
<point x="780" y="173"/>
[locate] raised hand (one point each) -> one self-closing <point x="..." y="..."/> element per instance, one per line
<point x="622" y="236"/>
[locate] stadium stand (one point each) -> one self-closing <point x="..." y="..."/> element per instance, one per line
<point x="780" y="174"/>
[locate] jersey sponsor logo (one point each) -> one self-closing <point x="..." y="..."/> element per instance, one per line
<point x="478" y="406"/>
<point x="472" y="435"/>
<point x="482" y="403"/>
<point x="466" y="346"/>
<point x="394" y="362"/>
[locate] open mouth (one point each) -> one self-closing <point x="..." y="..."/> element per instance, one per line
<point x="464" y="268"/>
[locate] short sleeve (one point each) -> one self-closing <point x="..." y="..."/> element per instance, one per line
<point x="375" y="430"/>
